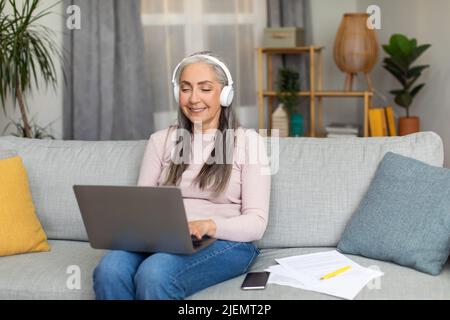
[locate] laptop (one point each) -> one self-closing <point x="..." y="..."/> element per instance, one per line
<point x="135" y="218"/>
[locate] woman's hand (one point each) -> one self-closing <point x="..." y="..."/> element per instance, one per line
<point x="199" y="228"/>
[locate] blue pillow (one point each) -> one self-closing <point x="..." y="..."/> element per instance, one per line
<point x="404" y="217"/>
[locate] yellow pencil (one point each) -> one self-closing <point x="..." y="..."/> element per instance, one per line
<point x="335" y="273"/>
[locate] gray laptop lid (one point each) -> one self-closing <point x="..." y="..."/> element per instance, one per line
<point x="135" y="218"/>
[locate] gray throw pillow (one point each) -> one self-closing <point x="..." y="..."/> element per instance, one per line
<point x="404" y="217"/>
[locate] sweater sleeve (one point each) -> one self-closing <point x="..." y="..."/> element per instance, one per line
<point x="151" y="165"/>
<point x="255" y="193"/>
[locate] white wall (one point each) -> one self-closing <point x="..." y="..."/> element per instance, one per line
<point x="325" y="19"/>
<point x="44" y="105"/>
<point x="428" y="22"/>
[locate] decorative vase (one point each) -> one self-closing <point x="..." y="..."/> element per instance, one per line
<point x="407" y="125"/>
<point x="280" y="121"/>
<point x="296" y="125"/>
<point x="355" y="47"/>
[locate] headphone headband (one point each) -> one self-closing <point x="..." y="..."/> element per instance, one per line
<point x="227" y="93"/>
<point x="210" y="58"/>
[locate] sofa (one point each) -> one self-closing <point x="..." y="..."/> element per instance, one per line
<point x="318" y="185"/>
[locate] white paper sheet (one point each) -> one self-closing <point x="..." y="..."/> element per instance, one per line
<point x="305" y="271"/>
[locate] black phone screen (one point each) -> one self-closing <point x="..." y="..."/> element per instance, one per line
<point x="255" y="280"/>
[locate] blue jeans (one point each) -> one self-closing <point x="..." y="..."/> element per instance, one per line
<point x="129" y="275"/>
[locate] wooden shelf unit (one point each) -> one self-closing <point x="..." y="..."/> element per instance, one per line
<point x="315" y="90"/>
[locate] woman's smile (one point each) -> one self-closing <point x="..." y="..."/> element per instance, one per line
<point x="196" y="109"/>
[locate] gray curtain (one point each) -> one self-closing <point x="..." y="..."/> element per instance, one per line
<point x="107" y="95"/>
<point x="293" y="13"/>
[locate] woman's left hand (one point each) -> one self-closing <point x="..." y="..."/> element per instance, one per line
<point x="199" y="228"/>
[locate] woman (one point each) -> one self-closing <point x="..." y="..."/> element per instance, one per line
<point x="225" y="197"/>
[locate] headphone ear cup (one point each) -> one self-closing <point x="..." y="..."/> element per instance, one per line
<point x="226" y="96"/>
<point x="176" y="93"/>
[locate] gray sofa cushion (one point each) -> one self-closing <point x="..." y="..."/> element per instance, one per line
<point x="404" y="217"/>
<point x="397" y="283"/>
<point x="54" y="166"/>
<point x="44" y="276"/>
<point x="321" y="182"/>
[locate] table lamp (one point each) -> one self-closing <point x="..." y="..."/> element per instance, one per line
<point x="355" y="48"/>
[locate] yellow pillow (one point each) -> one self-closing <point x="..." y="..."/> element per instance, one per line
<point x="20" y="229"/>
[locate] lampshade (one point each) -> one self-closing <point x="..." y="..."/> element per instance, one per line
<point x="356" y="46"/>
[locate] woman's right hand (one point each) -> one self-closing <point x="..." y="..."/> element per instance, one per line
<point x="199" y="228"/>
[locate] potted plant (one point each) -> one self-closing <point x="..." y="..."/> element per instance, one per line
<point x="26" y="52"/>
<point x="38" y="132"/>
<point x="403" y="52"/>
<point x="288" y="88"/>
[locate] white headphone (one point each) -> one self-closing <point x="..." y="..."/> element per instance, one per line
<point x="227" y="93"/>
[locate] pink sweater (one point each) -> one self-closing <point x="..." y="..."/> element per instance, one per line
<point x="241" y="211"/>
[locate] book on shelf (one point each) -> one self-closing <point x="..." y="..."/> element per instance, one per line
<point x="341" y="135"/>
<point x="342" y="128"/>
<point x="382" y="122"/>
<point x="390" y="121"/>
<point x="377" y="122"/>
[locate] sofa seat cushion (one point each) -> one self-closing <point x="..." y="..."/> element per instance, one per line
<point x="45" y="275"/>
<point x="397" y="283"/>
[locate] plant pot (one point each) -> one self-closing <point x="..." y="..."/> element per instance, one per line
<point x="296" y="125"/>
<point x="407" y="125"/>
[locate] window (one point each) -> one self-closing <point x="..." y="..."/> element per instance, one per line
<point x="174" y="29"/>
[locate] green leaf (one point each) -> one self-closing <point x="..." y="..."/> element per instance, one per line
<point x="396" y="73"/>
<point x="401" y="63"/>
<point x="403" y="100"/>
<point x="403" y="44"/>
<point x="391" y="62"/>
<point x="417" y="52"/>
<point x="411" y="82"/>
<point x="389" y="50"/>
<point x="288" y="87"/>
<point x="416" y="89"/>
<point x="416" y="71"/>
<point x="394" y="46"/>
<point x="397" y="92"/>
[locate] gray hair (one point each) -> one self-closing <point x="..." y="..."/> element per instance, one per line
<point x="195" y="58"/>
<point x="213" y="175"/>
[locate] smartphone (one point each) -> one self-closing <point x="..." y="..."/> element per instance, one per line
<point x="255" y="280"/>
